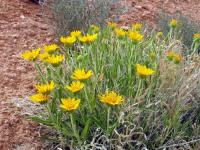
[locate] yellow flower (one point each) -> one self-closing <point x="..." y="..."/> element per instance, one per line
<point x="143" y="71"/>
<point x="44" y="55"/>
<point x="173" y="23"/>
<point x="76" y="33"/>
<point x="177" y="58"/>
<point x="170" y="55"/>
<point x="111" y="98"/>
<point x="75" y="86"/>
<point x="137" y="26"/>
<point x="88" y="38"/>
<point x="197" y="35"/>
<point x="81" y="74"/>
<point x="135" y="36"/>
<point x="120" y="32"/>
<point x="70" y="104"/>
<point x="54" y="59"/>
<point x="95" y="28"/>
<point x="112" y="24"/>
<point x="45" y="88"/>
<point x="50" y="48"/>
<point x="39" y="98"/>
<point x="69" y="40"/>
<point x="31" y="55"/>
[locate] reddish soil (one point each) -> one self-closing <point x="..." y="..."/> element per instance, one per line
<point x="22" y="27"/>
<point x="148" y="10"/>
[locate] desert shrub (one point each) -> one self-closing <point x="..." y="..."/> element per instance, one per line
<point x="117" y="89"/>
<point x="79" y="14"/>
<point x="187" y="27"/>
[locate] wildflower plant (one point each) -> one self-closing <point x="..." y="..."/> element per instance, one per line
<point x="100" y="77"/>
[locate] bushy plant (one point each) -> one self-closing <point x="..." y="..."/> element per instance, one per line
<point x="79" y="14"/>
<point x="111" y="88"/>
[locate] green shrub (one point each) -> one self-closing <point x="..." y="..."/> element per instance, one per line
<point x="116" y="89"/>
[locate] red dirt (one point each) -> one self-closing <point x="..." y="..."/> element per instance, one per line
<point x="23" y="27"/>
<point x="148" y="10"/>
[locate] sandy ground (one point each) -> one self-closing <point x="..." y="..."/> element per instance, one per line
<point x="22" y="27"/>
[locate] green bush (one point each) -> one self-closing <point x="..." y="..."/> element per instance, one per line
<point x="116" y="89"/>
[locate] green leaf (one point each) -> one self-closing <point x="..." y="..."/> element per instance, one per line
<point x="40" y="120"/>
<point x="84" y="133"/>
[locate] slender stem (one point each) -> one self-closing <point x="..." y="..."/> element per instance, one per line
<point x="196" y="45"/>
<point x="86" y="96"/>
<point x="139" y="88"/>
<point x="108" y="119"/>
<point x="170" y="34"/>
<point x="40" y="72"/>
<point x="74" y="128"/>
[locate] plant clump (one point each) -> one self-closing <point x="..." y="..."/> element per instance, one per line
<point x="131" y="86"/>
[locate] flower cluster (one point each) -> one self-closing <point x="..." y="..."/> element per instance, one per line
<point x="77" y="35"/>
<point x="43" y="92"/>
<point x="47" y="55"/>
<point x="88" y="79"/>
<point x="134" y="34"/>
<point x="70" y="104"/>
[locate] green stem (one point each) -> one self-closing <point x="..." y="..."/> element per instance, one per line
<point x="89" y="104"/>
<point x="196" y="45"/>
<point x="40" y="72"/>
<point x="170" y="34"/>
<point x="74" y="128"/>
<point x="139" y="88"/>
<point x="108" y="119"/>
